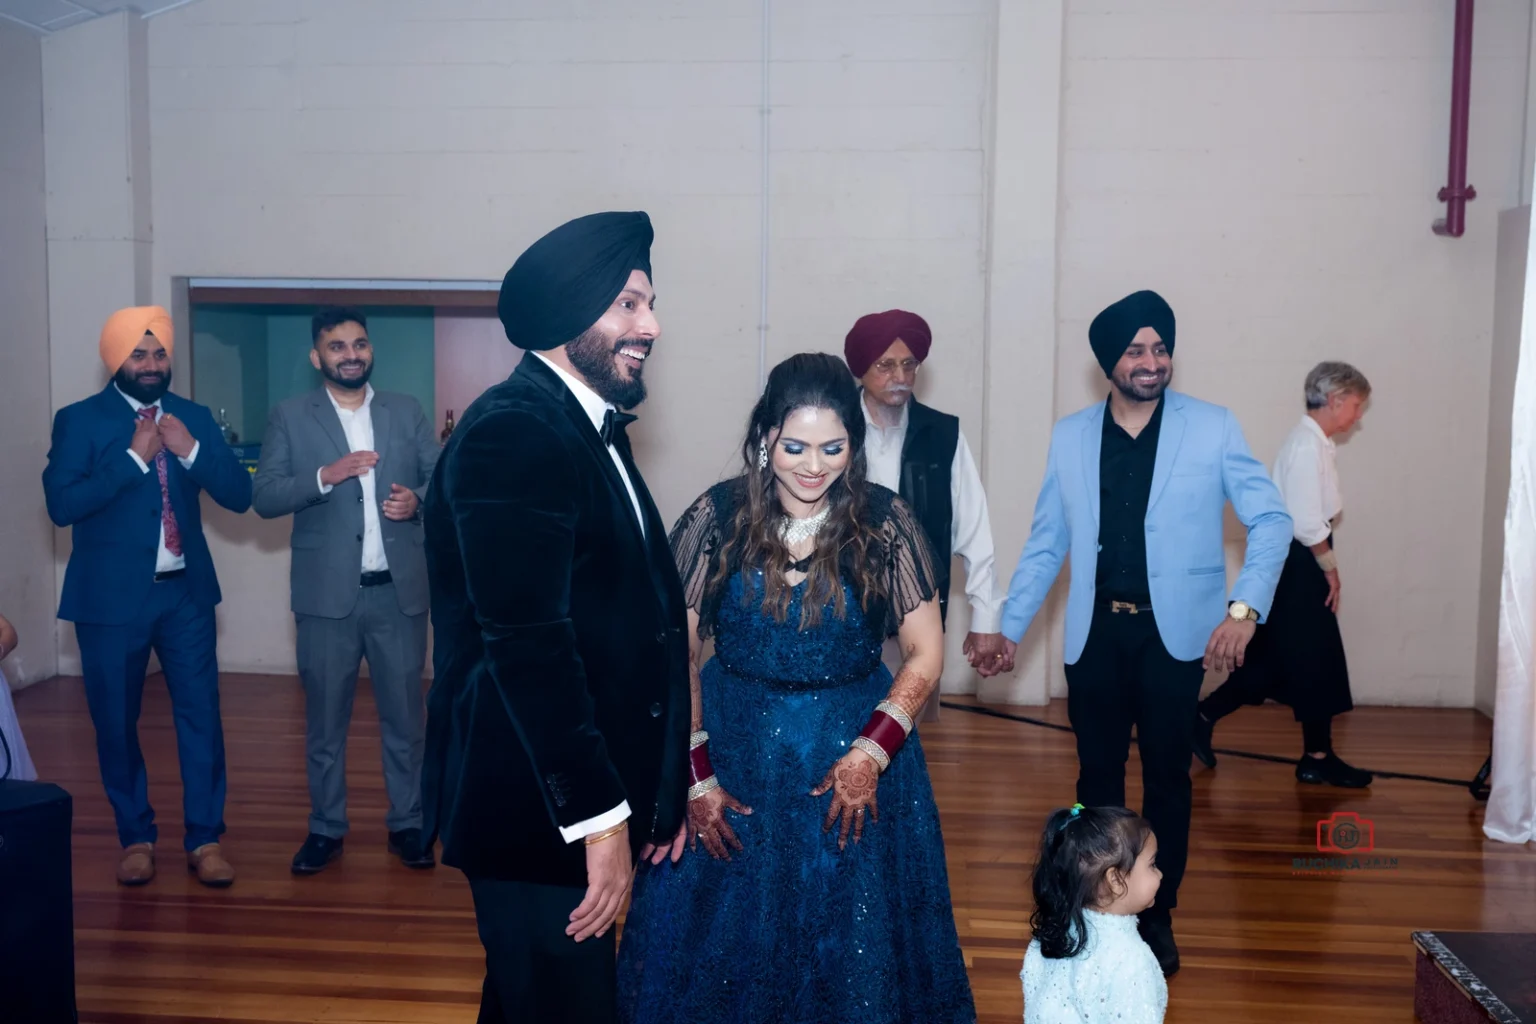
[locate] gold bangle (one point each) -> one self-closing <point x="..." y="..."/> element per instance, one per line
<point x="607" y="833"/>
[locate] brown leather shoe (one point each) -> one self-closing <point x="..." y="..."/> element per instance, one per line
<point x="210" y="866"/>
<point x="138" y="864"/>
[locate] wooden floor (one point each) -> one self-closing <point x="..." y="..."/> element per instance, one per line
<point x="371" y="941"/>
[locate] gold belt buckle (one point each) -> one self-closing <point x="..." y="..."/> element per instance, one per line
<point x="1122" y="606"/>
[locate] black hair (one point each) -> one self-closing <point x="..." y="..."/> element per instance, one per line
<point x="335" y="316"/>
<point x="1076" y="852"/>
<point x="811" y="380"/>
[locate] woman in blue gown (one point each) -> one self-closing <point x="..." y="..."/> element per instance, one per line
<point x="815" y="887"/>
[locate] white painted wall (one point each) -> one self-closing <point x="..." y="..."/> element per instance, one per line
<point x="1271" y="170"/>
<point x="26" y="557"/>
<point x="1005" y="167"/>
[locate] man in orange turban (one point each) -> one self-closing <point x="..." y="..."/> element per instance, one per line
<point x="138" y="583"/>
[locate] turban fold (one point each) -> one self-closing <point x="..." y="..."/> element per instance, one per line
<point x="873" y="334"/>
<point x="126" y="328"/>
<point x="1111" y="332"/>
<point x="566" y="280"/>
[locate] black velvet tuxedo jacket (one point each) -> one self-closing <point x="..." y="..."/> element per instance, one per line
<point x="560" y="641"/>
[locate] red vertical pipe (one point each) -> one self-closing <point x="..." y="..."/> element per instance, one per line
<point x="1457" y="191"/>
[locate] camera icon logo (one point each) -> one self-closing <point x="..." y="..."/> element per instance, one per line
<point x="1345" y="832"/>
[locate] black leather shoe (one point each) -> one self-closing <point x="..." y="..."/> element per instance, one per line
<point x="407" y="845"/>
<point x="317" y="852"/>
<point x="1205" y="731"/>
<point x="1156" y="930"/>
<point x="1331" y="771"/>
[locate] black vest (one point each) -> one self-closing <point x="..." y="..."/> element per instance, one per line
<point x="927" y="457"/>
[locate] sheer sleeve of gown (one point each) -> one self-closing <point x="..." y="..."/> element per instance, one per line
<point x="695" y="540"/>
<point x="910" y="575"/>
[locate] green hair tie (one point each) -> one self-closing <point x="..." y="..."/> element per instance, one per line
<point x="1076" y="810"/>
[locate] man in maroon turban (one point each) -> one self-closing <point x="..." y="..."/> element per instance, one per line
<point x="921" y="454"/>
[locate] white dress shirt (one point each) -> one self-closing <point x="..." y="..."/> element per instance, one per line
<point x="1114" y="979"/>
<point x="970" y="532"/>
<point x="164" y="560"/>
<point x="357" y="424"/>
<point x="1308" y="479"/>
<point x="595" y="408"/>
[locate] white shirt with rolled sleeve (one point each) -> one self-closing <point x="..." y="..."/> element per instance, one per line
<point x="1308" y="478"/>
<point x="357" y="424"/>
<point x="594" y="406"/>
<point x="970" y="530"/>
<point x="164" y="560"/>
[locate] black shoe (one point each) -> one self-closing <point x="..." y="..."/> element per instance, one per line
<point x="1331" y="771"/>
<point x="317" y="852"/>
<point x="1156" y="928"/>
<point x="407" y="845"/>
<point x="1205" y="731"/>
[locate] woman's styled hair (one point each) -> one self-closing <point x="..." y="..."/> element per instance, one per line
<point x="1079" y="847"/>
<point x="809" y="380"/>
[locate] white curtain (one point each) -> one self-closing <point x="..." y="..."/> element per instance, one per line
<point x="1511" y="815"/>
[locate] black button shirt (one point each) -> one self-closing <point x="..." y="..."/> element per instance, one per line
<point x="1125" y="486"/>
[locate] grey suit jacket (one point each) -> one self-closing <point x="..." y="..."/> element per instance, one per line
<point x="304" y="434"/>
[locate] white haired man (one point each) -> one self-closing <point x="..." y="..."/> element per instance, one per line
<point x="1297" y="657"/>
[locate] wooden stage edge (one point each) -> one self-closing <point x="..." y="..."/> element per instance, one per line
<point x="1270" y="928"/>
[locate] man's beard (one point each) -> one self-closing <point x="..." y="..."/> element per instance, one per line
<point x="593" y="354"/>
<point x="1142" y="392"/>
<point x="333" y="374"/>
<point x="144" y="394"/>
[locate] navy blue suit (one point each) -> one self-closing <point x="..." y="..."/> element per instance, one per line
<point x="122" y="611"/>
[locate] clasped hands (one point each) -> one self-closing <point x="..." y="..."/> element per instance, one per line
<point x="169" y="433"/>
<point x="402" y="501"/>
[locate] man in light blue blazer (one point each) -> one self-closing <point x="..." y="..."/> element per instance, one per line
<point x="1135" y="490"/>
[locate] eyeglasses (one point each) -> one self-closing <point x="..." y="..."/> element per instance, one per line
<point x="888" y="366"/>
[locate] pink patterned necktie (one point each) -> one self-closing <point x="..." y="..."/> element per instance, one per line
<point x="167" y="514"/>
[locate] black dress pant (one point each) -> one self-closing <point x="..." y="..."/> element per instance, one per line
<point x="534" y="972"/>
<point x="1126" y="678"/>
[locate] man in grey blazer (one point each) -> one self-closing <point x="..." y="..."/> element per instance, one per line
<point x="351" y="465"/>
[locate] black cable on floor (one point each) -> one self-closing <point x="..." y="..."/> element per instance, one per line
<point x="1467" y="784"/>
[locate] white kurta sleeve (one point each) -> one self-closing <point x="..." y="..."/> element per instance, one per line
<point x="971" y="539"/>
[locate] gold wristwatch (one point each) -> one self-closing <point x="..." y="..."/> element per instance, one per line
<point x="1238" y="611"/>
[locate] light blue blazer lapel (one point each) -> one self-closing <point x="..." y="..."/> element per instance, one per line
<point x="1093" y="443"/>
<point x="1169" y="438"/>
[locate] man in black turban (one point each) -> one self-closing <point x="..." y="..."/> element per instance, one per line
<point x="1136" y="489"/>
<point x="558" y="719"/>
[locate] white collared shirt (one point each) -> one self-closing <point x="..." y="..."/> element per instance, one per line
<point x="970" y="533"/>
<point x="595" y="408"/>
<point x="357" y="424"/>
<point x="1308" y="479"/>
<point x="164" y="560"/>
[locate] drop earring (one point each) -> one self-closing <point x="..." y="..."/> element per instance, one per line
<point x="762" y="455"/>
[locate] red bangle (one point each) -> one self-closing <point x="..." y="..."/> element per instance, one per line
<point x="699" y="767"/>
<point x="885" y="732"/>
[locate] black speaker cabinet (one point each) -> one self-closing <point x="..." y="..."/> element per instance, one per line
<point x="37" y="918"/>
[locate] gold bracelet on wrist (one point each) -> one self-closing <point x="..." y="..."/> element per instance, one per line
<point x="607" y="833"/>
<point x="698" y="789"/>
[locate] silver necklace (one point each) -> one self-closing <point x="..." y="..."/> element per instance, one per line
<point x="797" y="531"/>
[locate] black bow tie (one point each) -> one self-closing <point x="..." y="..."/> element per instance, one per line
<point x="614" y="423"/>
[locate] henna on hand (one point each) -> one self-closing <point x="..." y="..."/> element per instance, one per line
<point x="707" y="824"/>
<point x="853" y="781"/>
<point x="910" y="691"/>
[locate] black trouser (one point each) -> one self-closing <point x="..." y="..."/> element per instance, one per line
<point x="533" y="970"/>
<point x="1125" y="678"/>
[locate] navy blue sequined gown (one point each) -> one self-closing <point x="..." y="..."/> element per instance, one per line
<point x="790" y="930"/>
